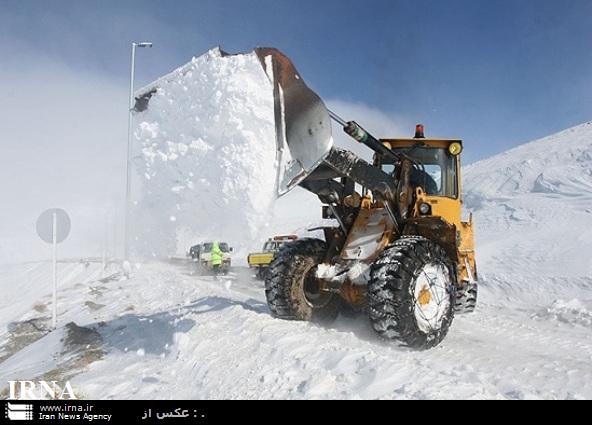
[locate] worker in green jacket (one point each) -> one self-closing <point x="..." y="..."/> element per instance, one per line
<point x="217" y="256"/>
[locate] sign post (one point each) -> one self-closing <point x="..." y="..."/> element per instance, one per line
<point x="53" y="226"/>
<point x="54" y="319"/>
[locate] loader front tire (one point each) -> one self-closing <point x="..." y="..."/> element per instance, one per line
<point x="261" y="272"/>
<point x="291" y="287"/>
<point x="411" y="293"/>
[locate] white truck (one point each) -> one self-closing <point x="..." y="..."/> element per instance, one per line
<point x="205" y="257"/>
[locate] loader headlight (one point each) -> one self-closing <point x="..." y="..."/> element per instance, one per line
<point x="455" y="148"/>
<point x="424" y="208"/>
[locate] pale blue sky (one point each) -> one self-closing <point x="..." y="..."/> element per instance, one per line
<point x="493" y="72"/>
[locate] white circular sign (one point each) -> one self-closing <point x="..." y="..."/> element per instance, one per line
<point x="45" y="224"/>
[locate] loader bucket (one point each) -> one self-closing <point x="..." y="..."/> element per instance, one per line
<point x="302" y="122"/>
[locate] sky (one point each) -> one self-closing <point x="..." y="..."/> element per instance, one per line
<point x="493" y="72"/>
<point x="496" y="73"/>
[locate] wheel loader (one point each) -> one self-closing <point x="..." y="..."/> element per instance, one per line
<point x="399" y="250"/>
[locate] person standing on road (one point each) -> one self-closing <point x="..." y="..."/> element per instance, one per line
<point x="217" y="255"/>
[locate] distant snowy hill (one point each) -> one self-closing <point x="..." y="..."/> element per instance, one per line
<point x="559" y="164"/>
<point x="533" y="208"/>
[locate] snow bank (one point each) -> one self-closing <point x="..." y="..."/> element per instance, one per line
<point x="574" y="312"/>
<point x="533" y="211"/>
<point x="207" y="155"/>
<point x="560" y="163"/>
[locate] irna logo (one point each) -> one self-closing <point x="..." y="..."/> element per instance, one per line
<point x="40" y="390"/>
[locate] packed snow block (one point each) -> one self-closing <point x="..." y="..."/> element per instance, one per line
<point x="205" y="151"/>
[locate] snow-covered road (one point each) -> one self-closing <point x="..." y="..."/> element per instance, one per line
<point x="166" y="333"/>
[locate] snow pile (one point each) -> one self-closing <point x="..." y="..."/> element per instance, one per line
<point x="533" y="211"/>
<point x="557" y="164"/>
<point x="207" y="155"/>
<point x="574" y="312"/>
<point x="357" y="272"/>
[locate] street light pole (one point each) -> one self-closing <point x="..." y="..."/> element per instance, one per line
<point x="128" y="185"/>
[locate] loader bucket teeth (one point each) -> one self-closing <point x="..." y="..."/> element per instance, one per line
<point x="302" y="122"/>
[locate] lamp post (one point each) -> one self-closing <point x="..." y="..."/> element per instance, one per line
<point x="128" y="185"/>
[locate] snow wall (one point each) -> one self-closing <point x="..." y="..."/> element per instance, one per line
<point x="205" y="155"/>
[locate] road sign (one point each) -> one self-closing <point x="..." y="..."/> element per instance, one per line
<point x="53" y="226"/>
<point x="45" y="225"/>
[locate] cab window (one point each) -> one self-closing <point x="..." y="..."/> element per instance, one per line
<point x="437" y="177"/>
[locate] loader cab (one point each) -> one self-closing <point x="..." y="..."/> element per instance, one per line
<point x="437" y="169"/>
<point x="435" y="177"/>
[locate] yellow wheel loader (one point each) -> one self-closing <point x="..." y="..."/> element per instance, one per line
<point x="399" y="249"/>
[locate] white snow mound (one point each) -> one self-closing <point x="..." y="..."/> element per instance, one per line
<point x="533" y="211"/>
<point x="207" y="155"/>
<point x="557" y="164"/>
<point x="574" y="312"/>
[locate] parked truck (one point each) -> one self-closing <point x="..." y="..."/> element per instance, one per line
<point x="261" y="260"/>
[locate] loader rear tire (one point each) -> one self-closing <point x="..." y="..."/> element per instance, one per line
<point x="411" y="293"/>
<point x="291" y="287"/>
<point x="466" y="298"/>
